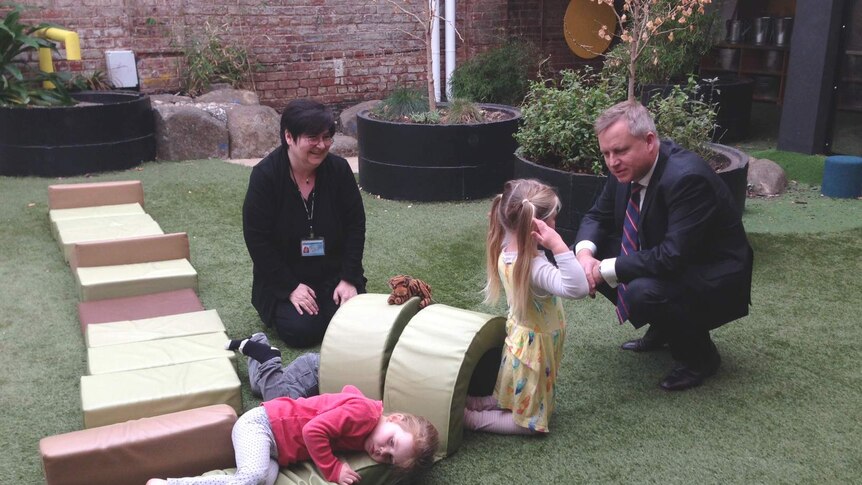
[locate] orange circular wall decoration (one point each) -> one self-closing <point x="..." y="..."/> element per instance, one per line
<point x="581" y="27"/>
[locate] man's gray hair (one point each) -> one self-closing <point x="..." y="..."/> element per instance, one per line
<point x="639" y="120"/>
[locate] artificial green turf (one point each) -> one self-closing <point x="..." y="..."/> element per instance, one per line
<point x="784" y="407"/>
<point x="807" y="169"/>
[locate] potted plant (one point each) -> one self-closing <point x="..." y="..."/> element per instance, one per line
<point x="412" y="149"/>
<point x="68" y="133"/>
<point x="678" y="34"/>
<point x="647" y="30"/>
<point x="557" y="144"/>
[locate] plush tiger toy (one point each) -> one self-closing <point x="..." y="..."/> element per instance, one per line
<point x="404" y="287"/>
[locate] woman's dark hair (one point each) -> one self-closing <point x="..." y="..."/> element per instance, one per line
<point x="306" y="117"/>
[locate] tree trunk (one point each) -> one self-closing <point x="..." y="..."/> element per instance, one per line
<point x="429" y="69"/>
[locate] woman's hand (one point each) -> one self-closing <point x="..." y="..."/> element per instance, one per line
<point x="304" y="300"/>
<point x="347" y="476"/>
<point x="343" y="292"/>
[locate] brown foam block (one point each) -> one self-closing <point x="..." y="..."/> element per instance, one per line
<point x="132" y="250"/>
<point x="180" y="444"/>
<point x="138" y="307"/>
<point x="68" y="196"/>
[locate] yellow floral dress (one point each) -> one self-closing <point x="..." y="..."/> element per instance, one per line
<point x="531" y="357"/>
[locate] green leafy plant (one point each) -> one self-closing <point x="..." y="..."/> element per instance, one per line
<point x="402" y="103"/>
<point x="209" y="59"/>
<point x="685" y="117"/>
<point x="426" y="118"/>
<point x="20" y="85"/>
<point x="501" y="75"/>
<point x="557" y="120"/>
<point x="94" y="81"/>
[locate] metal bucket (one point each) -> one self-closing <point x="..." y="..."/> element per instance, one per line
<point x="763" y="30"/>
<point x="783" y="29"/>
<point x="735" y="31"/>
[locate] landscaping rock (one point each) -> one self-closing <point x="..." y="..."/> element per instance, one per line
<point x="344" y="146"/>
<point x="187" y="133"/>
<point x="253" y="131"/>
<point x="348" y="116"/>
<point x="229" y="96"/>
<point x="765" y="177"/>
<point x="157" y="99"/>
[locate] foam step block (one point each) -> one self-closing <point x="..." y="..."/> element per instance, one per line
<point x="121" y="396"/>
<point x="67" y="196"/>
<point x="432" y="364"/>
<point x="156" y="353"/>
<point x="184" y="443"/>
<point x="359" y="341"/>
<point x="105" y="228"/>
<point x="57" y="215"/>
<point x="168" y="326"/>
<point x="100" y="282"/>
<point x="138" y="307"/>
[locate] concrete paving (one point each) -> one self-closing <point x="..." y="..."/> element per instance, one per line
<point x="251" y="162"/>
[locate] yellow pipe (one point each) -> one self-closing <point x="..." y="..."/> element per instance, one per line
<point x="68" y="38"/>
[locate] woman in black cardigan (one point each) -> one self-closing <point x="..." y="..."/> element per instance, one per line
<point x="304" y="227"/>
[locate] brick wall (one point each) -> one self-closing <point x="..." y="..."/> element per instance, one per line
<point x="338" y="51"/>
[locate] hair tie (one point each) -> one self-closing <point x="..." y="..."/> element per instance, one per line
<point x="526" y="201"/>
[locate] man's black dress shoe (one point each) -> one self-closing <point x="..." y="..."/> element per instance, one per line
<point x="684" y="377"/>
<point x="643" y="344"/>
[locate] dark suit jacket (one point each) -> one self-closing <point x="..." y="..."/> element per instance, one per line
<point x="689" y="232"/>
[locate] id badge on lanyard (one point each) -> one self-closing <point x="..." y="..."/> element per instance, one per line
<point x="311" y="246"/>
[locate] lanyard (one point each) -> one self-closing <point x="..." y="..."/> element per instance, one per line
<point x="309" y="213"/>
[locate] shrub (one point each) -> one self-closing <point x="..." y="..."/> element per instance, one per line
<point x="208" y="60"/>
<point x="501" y="75"/>
<point x="685" y="117"/>
<point x="462" y="111"/>
<point x="402" y="103"/>
<point x="557" y="121"/>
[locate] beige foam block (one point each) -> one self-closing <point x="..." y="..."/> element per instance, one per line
<point x="55" y="215"/>
<point x="136" y="450"/>
<point x="145" y="329"/>
<point x="155" y="353"/>
<point x="121" y="396"/>
<point x="105" y="228"/>
<point x="101" y="282"/>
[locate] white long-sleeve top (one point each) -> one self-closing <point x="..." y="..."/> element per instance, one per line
<point x="567" y="279"/>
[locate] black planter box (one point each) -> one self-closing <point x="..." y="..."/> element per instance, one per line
<point x="115" y="134"/>
<point x="408" y="161"/>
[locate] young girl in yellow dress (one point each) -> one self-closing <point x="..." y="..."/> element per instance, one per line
<point x="522" y="218"/>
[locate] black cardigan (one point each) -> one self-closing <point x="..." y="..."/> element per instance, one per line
<point x="274" y="222"/>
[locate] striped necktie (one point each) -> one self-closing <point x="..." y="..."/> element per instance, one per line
<point x="629" y="244"/>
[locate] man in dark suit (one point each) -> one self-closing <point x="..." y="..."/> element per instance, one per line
<point x="686" y="267"/>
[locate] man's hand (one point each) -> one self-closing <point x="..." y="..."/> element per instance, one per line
<point x="304" y="299"/>
<point x="591" y="269"/>
<point x="347" y="476"/>
<point x="343" y="292"/>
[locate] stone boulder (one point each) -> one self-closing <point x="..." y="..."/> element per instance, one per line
<point x="344" y="146"/>
<point x="348" y="116"/>
<point x="187" y="133"/>
<point x="229" y="96"/>
<point x="765" y="177"/>
<point x="158" y="99"/>
<point x="253" y="131"/>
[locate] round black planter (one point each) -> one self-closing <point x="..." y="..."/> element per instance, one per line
<point x="577" y="191"/>
<point x="408" y="161"/>
<point x="732" y="94"/>
<point x="735" y="175"/>
<point x="114" y="134"/>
